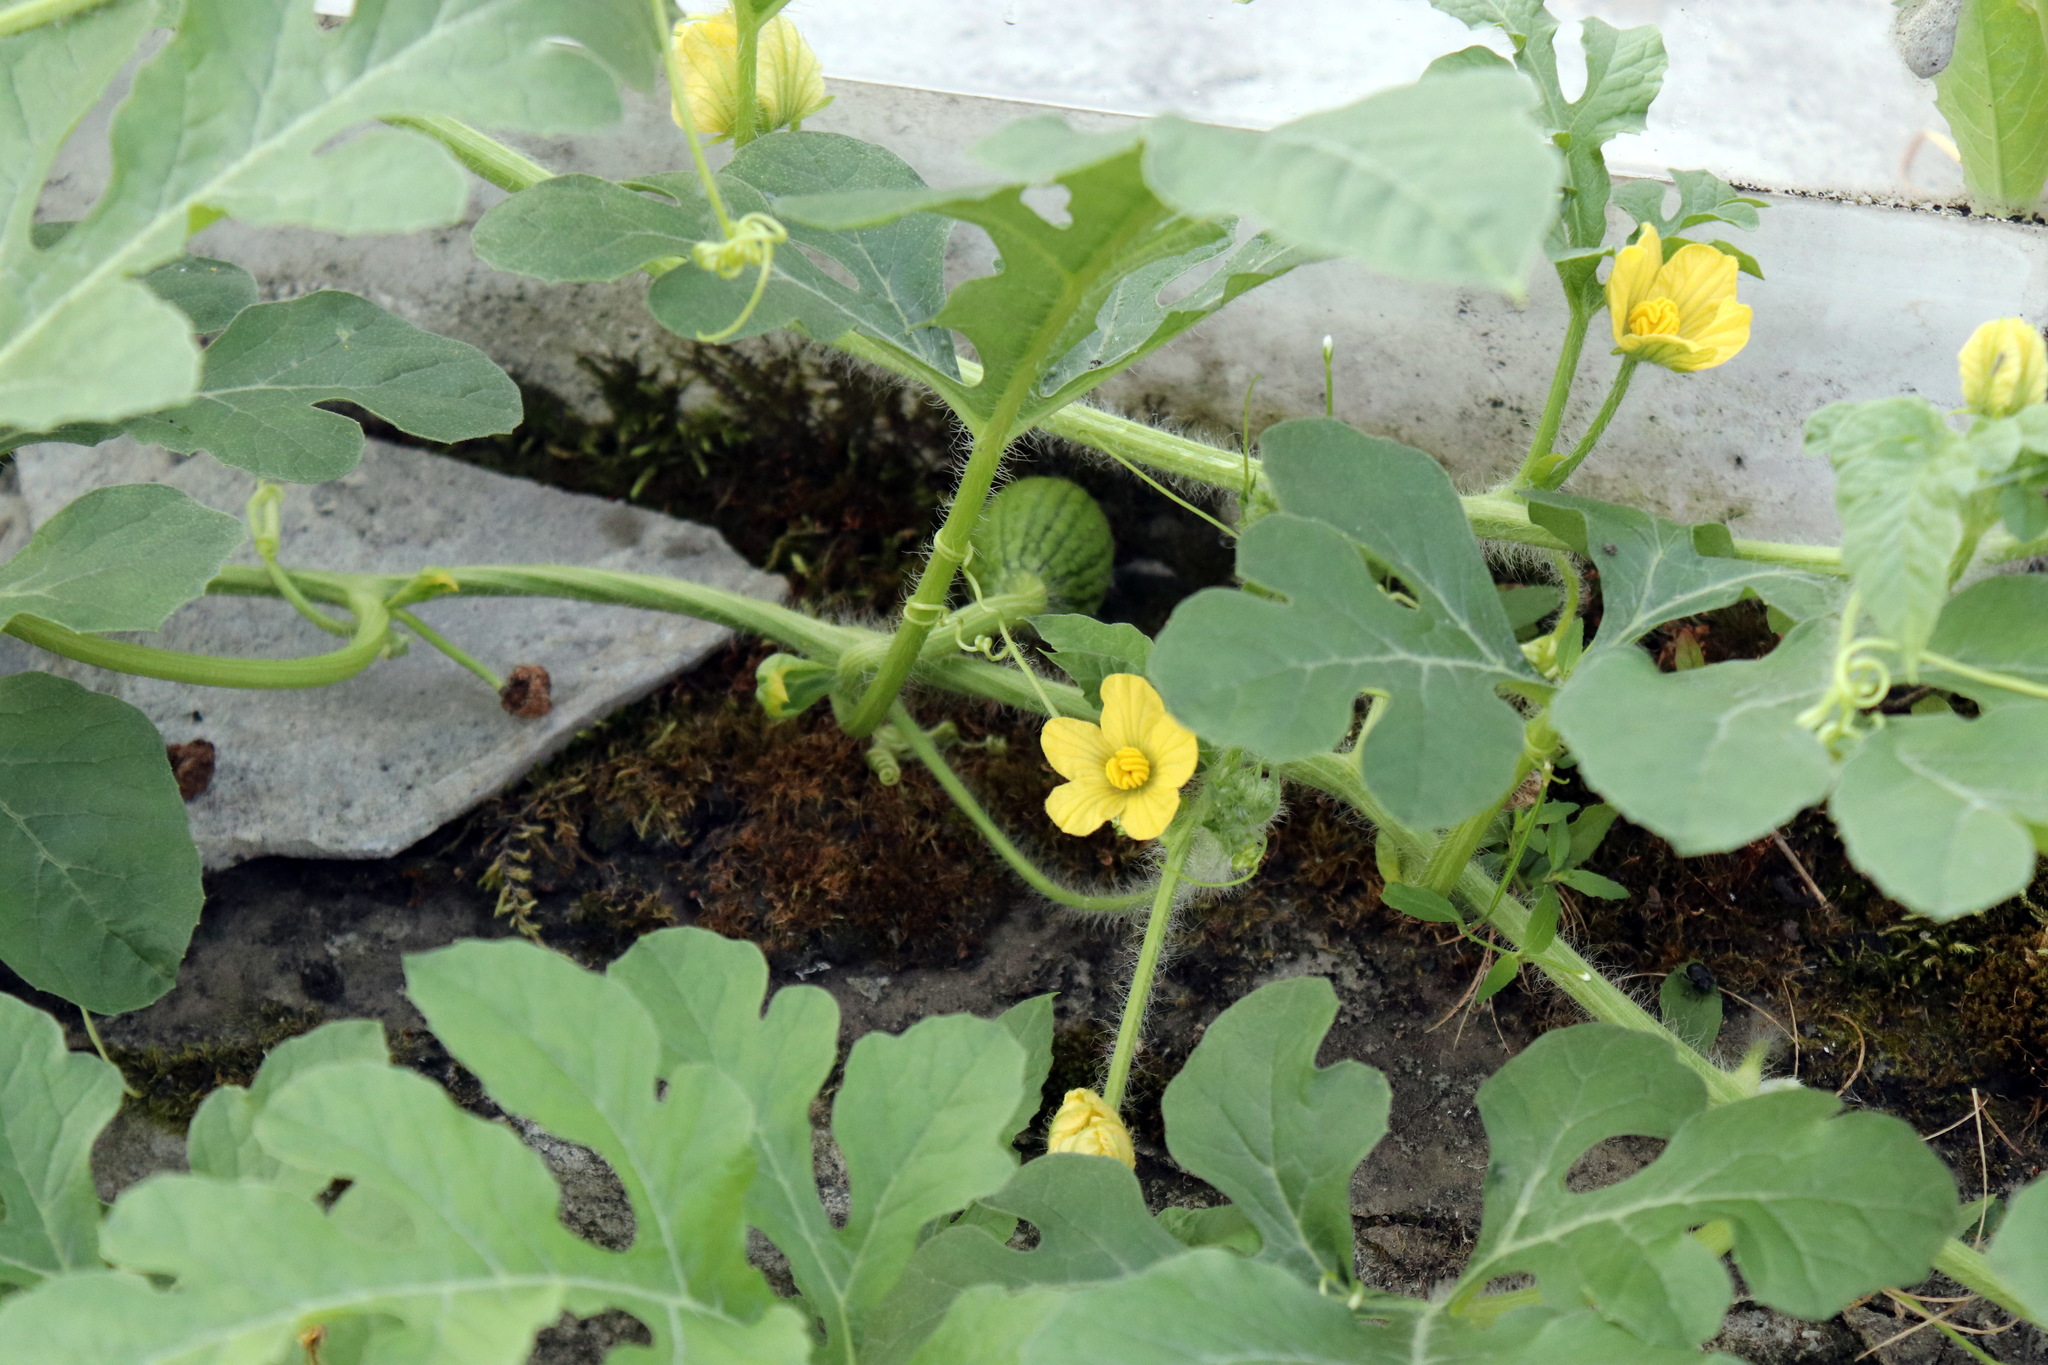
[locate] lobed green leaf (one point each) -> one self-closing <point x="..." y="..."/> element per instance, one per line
<point x="1653" y="571"/>
<point x="1279" y="672"/>
<point x="265" y="374"/>
<point x="1252" y="1114"/>
<point x="1088" y="650"/>
<point x="1826" y="1207"/>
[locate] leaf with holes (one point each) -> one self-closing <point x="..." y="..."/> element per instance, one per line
<point x="81" y="339"/>
<point x="99" y="880"/>
<point x="1092" y="1225"/>
<point x="1252" y="1114"/>
<point x="1280" y="670"/>
<point x="1709" y="758"/>
<point x="1825" y="1206"/>
<point x="120" y="558"/>
<point x="1653" y="571"/>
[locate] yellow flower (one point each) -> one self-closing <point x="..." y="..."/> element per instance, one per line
<point x="1679" y="313"/>
<point x="789" y="84"/>
<point x="1129" y="769"/>
<point x="1085" y="1125"/>
<point x="2005" y="367"/>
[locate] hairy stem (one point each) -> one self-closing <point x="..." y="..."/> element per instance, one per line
<point x="1178" y="840"/>
<point x="920" y="744"/>
<point x="927" y="603"/>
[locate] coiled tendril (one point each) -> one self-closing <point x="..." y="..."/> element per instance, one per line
<point x="751" y="241"/>
<point x="1859" y="681"/>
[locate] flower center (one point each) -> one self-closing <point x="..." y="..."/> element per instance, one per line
<point x="1656" y="317"/>
<point x="1127" y="769"/>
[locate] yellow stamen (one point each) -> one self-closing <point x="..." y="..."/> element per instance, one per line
<point x="1128" y="769"/>
<point x="1656" y="317"/>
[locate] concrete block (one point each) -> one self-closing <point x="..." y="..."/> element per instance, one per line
<point x="369" y="766"/>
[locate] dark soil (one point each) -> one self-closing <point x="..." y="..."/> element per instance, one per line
<point x="693" y="808"/>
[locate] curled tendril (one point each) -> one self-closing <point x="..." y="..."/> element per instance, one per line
<point x="1860" y="681"/>
<point x="750" y="241"/>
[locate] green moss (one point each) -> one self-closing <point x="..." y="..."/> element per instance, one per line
<point x="174" y="1081"/>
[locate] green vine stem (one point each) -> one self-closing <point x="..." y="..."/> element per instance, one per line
<point x="1178" y="840"/>
<point x="919" y="741"/>
<point x="927" y="604"/>
<point x="747" y="94"/>
<point x="484" y="156"/>
<point x="35" y="13"/>
<point x="1560" y="391"/>
<point x="988" y="616"/>
<point x="373" y="626"/>
<point x="1616" y="391"/>
<point x="449" y="648"/>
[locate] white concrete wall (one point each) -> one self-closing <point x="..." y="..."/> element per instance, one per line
<point x="1862" y="301"/>
<point x="1784" y="94"/>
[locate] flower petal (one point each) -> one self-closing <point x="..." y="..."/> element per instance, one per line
<point x="1129" y="706"/>
<point x="1081" y="807"/>
<point x="1673" y="353"/>
<point x="1076" y="749"/>
<point x="1698" y="278"/>
<point x="1727" y="332"/>
<point x="1173" y="750"/>
<point x="1149" y="810"/>
<point x="1633" y="277"/>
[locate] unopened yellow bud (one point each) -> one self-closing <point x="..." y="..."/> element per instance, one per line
<point x="1088" y="1127"/>
<point x="2004" y="367"/>
<point x="789" y="84"/>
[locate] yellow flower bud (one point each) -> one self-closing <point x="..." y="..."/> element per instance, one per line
<point x="2004" y="366"/>
<point x="1087" y="1126"/>
<point x="789" y="84"/>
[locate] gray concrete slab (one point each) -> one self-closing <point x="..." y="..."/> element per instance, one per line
<point x="369" y="766"/>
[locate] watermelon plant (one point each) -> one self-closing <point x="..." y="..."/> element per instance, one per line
<point x="1367" y="655"/>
